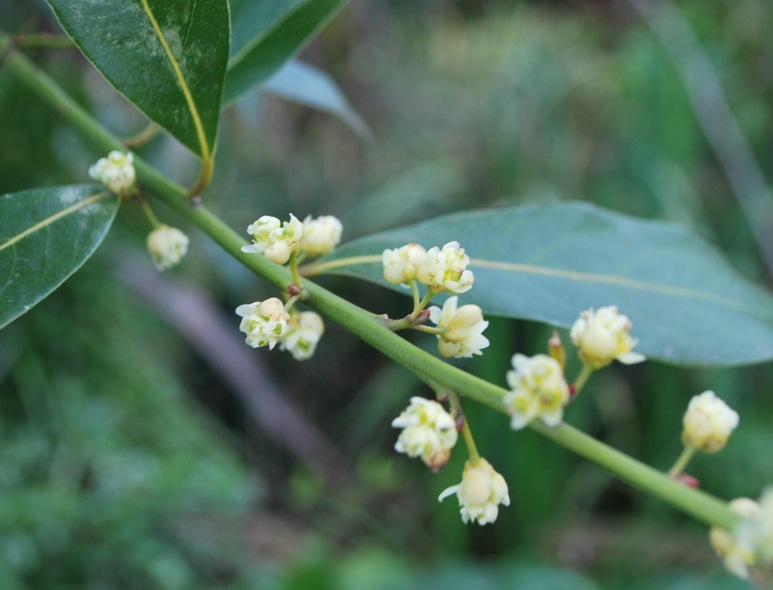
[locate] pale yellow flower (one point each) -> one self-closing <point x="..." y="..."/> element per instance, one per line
<point x="538" y="390"/>
<point x="167" y="246"/>
<point x="265" y="323"/>
<point x="603" y="336"/>
<point x="480" y="492"/>
<point x="708" y="422"/>
<point x="462" y="327"/>
<point x="429" y="432"/>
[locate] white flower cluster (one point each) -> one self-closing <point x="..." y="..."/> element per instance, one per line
<point x="459" y="329"/>
<point x="738" y="551"/>
<point x="480" y="492"/>
<point x="278" y="241"/>
<point x="167" y="246"/>
<point x="441" y="269"/>
<point x="268" y="323"/>
<point x="708" y="423"/>
<point x="538" y="390"/>
<point x="428" y="432"/>
<point x="603" y="336"/>
<point x="750" y="544"/>
<point x="116" y="172"/>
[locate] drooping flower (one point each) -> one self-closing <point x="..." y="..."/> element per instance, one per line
<point x="462" y="327"/>
<point x="401" y="264"/>
<point x="321" y="235"/>
<point x="429" y="432"/>
<point x="737" y="550"/>
<point x="603" y="336"/>
<point x="277" y="241"/>
<point x="116" y="172"/>
<point x="480" y="492"/>
<point x="538" y="390"/>
<point x="167" y="246"/>
<point x="708" y="423"/>
<point x="265" y="323"/>
<point x="446" y="269"/>
<point x="303" y="333"/>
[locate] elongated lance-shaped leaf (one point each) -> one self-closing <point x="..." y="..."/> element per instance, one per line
<point x="168" y="57"/>
<point x="548" y="263"/>
<point x="267" y="33"/>
<point x="312" y="87"/>
<point x="46" y="235"/>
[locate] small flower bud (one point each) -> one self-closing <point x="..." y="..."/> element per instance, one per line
<point x="556" y="349"/>
<point x="303" y="333"/>
<point x="167" y="246"/>
<point x="538" y="389"/>
<point x="708" y="422"/>
<point x="275" y="240"/>
<point x="428" y="432"/>
<point x="265" y="323"/>
<point x="321" y="235"/>
<point x="400" y="264"/>
<point x="736" y="551"/>
<point x="445" y="269"/>
<point x="603" y="336"/>
<point x="116" y="172"/>
<point x="462" y="327"/>
<point x="480" y="492"/>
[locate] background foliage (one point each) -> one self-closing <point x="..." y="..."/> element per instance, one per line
<point x="130" y="460"/>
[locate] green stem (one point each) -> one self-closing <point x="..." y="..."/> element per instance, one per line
<point x="582" y="378"/>
<point x="419" y="307"/>
<point x="149" y="214"/>
<point x="360" y="322"/>
<point x="682" y="461"/>
<point x="43" y="41"/>
<point x="294" y="270"/>
<point x="472" y="450"/>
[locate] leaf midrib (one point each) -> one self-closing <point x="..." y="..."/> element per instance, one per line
<point x="206" y="153"/>
<point x="578" y="276"/>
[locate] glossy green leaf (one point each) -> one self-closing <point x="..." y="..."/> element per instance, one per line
<point x="548" y="263"/>
<point x="267" y="33"/>
<point x="45" y="236"/>
<point x="312" y="87"/>
<point x="168" y="57"/>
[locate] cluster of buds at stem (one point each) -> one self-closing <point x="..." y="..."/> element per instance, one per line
<point x="459" y="329"/>
<point x="268" y="323"/>
<point x="738" y="550"/>
<point x="278" y="240"/>
<point x="440" y="269"/>
<point x="116" y="172"/>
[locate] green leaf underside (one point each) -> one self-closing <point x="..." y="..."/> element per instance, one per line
<point x="548" y="263"/>
<point x="311" y="87"/>
<point x="276" y="35"/>
<point x="168" y="57"/>
<point x="45" y="236"/>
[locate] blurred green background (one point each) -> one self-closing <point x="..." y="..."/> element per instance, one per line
<point x="139" y="452"/>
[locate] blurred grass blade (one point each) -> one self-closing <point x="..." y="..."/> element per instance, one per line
<point x="168" y="57"/>
<point x="548" y="263"/>
<point x="267" y="33"/>
<point x="312" y="87"/>
<point x="45" y="236"/>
